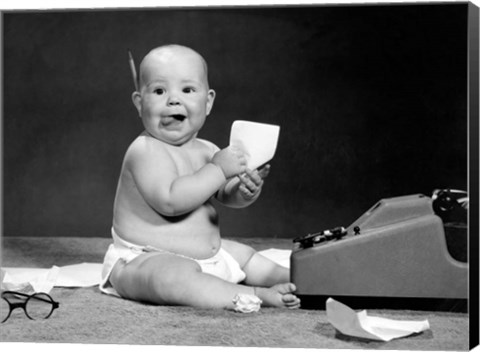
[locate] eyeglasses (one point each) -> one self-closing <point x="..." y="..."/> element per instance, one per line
<point x="35" y="306"/>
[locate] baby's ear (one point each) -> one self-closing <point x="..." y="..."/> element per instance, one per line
<point x="137" y="101"/>
<point x="210" y="99"/>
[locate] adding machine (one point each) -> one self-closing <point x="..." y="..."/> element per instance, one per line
<point x="397" y="249"/>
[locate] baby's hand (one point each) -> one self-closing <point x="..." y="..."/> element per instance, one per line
<point x="252" y="182"/>
<point x="231" y="160"/>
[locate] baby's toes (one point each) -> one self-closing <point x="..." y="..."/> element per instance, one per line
<point x="294" y="305"/>
<point x="286" y="288"/>
<point x="291" y="301"/>
<point x="292" y="287"/>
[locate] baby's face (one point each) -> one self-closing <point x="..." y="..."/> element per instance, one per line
<point x="174" y="97"/>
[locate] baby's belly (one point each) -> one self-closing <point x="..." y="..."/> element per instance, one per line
<point x="195" y="235"/>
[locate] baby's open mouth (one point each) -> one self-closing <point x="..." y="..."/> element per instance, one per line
<point x="172" y="118"/>
<point x="178" y="117"/>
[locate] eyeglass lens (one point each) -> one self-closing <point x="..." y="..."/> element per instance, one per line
<point x="39" y="306"/>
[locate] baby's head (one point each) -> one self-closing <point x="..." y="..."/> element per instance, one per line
<point x="173" y="52"/>
<point x="174" y="97"/>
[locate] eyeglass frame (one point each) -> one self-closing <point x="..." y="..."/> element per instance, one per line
<point x="23" y="304"/>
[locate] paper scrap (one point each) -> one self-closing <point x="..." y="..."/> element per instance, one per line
<point x="279" y="256"/>
<point x="257" y="140"/>
<point x="31" y="280"/>
<point x="349" y="322"/>
<point x="80" y="275"/>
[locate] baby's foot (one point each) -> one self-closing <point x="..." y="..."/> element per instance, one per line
<point x="280" y="295"/>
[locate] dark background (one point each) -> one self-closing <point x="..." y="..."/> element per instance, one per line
<point x="371" y="100"/>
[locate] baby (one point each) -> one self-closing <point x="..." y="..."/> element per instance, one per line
<point x="167" y="247"/>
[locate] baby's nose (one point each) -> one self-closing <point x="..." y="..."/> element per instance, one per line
<point x="173" y="100"/>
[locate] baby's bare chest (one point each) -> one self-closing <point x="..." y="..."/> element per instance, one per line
<point x="188" y="161"/>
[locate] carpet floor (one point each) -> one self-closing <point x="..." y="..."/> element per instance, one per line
<point x="88" y="316"/>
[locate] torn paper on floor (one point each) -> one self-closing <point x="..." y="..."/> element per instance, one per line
<point x="351" y="323"/>
<point x="279" y="256"/>
<point x="257" y="140"/>
<point x="31" y="280"/>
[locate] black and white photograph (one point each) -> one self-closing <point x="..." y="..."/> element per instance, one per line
<point x="241" y="176"/>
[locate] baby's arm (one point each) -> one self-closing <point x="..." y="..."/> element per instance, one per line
<point x="156" y="175"/>
<point x="244" y="189"/>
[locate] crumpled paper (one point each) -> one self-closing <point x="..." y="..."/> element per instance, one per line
<point x="349" y="322"/>
<point x="32" y="280"/>
<point x="257" y="140"/>
<point x="245" y="303"/>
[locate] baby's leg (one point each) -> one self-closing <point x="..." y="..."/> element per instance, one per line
<point x="260" y="270"/>
<point x="168" y="279"/>
<point x="263" y="272"/>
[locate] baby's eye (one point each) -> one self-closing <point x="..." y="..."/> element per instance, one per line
<point x="188" y="90"/>
<point x="159" y="91"/>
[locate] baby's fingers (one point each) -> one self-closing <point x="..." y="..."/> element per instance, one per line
<point x="253" y="176"/>
<point x="251" y="183"/>
<point x="264" y="171"/>
<point x="248" y="189"/>
<point x="247" y="194"/>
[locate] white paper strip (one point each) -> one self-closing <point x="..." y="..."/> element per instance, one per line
<point x="30" y="280"/>
<point x="348" y="322"/>
<point x="279" y="256"/>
